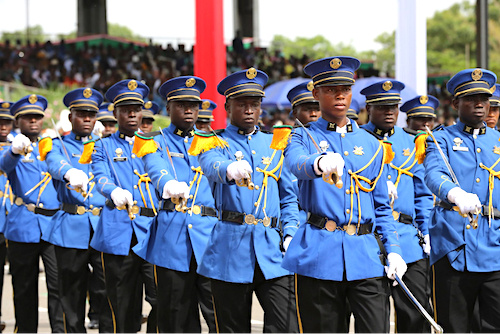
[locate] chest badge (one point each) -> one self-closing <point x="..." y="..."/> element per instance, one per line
<point x="266" y="161"/>
<point x="119" y="157"/>
<point x="496" y="150"/>
<point x="406" y="152"/>
<point x="323" y="145"/>
<point x="457" y="141"/>
<point x="358" y="150"/>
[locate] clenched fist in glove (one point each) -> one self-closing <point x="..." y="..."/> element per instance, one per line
<point x="395" y="265"/>
<point x="20" y="143"/>
<point x="77" y="178"/>
<point x="329" y="163"/>
<point x="466" y="202"/>
<point x="238" y="170"/>
<point x="122" y="197"/>
<point x="174" y="188"/>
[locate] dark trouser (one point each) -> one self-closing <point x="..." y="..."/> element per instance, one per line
<point x="24" y="266"/>
<point x="98" y="300"/>
<point x="73" y="270"/>
<point x="322" y="304"/>
<point x="455" y="294"/>
<point x="233" y="304"/>
<point x="179" y="294"/>
<point x="408" y="318"/>
<point x="122" y="274"/>
<point x="3" y="254"/>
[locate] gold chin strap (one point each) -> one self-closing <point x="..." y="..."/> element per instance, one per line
<point x="263" y="189"/>
<point x="42" y="184"/>
<point x="491" y="185"/>
<point x="145" y="178"/>
<point x="356" y="185"/>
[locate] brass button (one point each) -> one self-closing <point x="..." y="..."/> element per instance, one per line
<point x="346" y="153"/>
<point x="478" y="150"/>
<point x="91" y="195"/>
<point x="41" y="205"/>
<point x="190" y="225"/>
<point x="256" y="187"/>
<point x="468" y="226"/>
<point x="478" y="180"/>
<point x="135" y="202"/>
<point x="131" y="143"/>
<point x="342" y="135"/>
<point x="474" y="136"/>
<point x="389" y="177"/>
<point x="133" y="156"/>
<point x="135" y="186"/>
<point x="186" y="139"/>
<point x="249" y="137"/>
<point x="385" y="138"/>
<point x="90" y="174"/>
<point x="349" y="171"/>
<point x="91" y="206"/>
<point x="253" y="152"/>
<point x="347" y="191"/>
<point x="347" y="211"/>
<point x="38" y="157"/>
<point x="135" y="170"/>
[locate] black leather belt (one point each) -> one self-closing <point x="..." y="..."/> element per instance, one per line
<point x="405" y="219"/>
<point x="35" y="208"/>
<point x="142" y="211"/>
<point x="242" y="218"/>
<point x="79" y="209"/>
<point x="484" y="209"/>
<point x="202" y="210"/>
<point x="331" y="225"/>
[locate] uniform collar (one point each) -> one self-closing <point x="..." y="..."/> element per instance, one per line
<point x="379" y="132"/>
<point x="470" y="130"/>
<point x="183" y="133"/>
<point x="242" y="132"/>
<point x="73" y="136"/>
<point x="124" y="137"/>
<point x="329" y="126"/>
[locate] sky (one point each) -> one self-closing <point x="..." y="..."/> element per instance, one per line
<point x="353" y="22"/>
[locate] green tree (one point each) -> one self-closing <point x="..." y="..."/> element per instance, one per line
<point x="35" y="34"/>
<point x="117" y="30"/>
<point x="315" y="47"/>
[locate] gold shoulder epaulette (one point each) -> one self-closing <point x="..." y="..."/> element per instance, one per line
<point x="44" y="147"/>
<point x="144" y="145"/>
<point x="281" y="134"/>
<point x="388" y="152"/>
<point x="203" y="142"/>
<point x="420" y="146"/>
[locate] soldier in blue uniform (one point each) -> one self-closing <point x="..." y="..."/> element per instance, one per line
<point x="71" y="227"/>
<point x="337" y="254"/>
<point x="107" y="119"/>
<point x="34" y="205"/>
<point x="418" y="115"/>
<point x="304" y="107"/>
<point x="465" y="256"/>
<point x="121" y="178"/>
<point x="205" y="116"/>
<point x="353" y="112"/>
<point x="6" y="124"/>
<point x="256" y="205"/>
<point x="411" y="200"/>
<point x="178" y="237"/>
<point x="492" y="119"/>
<point x="148" y="112"/>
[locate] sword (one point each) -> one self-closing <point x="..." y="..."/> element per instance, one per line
<point x="452" y="173"/>
<point x="420" y="308"/>
<point x="330" y="178"/>
<point x="78" y="189"/>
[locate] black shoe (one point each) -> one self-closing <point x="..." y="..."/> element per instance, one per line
<point x="2" y="326"/>
<point x="144" y="319"/>
<point x="93" y="324"/>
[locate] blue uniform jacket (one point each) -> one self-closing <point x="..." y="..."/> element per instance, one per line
<point x="113" y="234"/>
<point x="414" y="198"/>
<point x="5" y="191"/>
<point x="328" y="255"/>
<point x="233" y="249"/>
<point x="475" y="250"/>
<point x="174" y="236"/>
<point x="71" y="230"/>
<point x="24" y="173"/>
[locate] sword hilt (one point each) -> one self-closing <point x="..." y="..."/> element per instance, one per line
<point x="333" y="178"/>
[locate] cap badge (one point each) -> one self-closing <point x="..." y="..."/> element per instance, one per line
<point x="335" y="63"/>
<point x="310" y="86"/>
<point x="387" y="85"/>
<point x="87" y="92"/>
<point x="111" y="107"/>
<point x="148" y="105"/>
<point x="5" y="105"/>
<point x="477" y="74"/>
<point x="205" y="105"/>
<point x="190" y="82"/>
<point x="424" y="99"/>
<point x="132" y="84"/>
<point x="32" y="99"/>
<point x="251" y="73"/>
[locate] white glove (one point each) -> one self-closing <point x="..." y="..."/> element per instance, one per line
<point x="98" y="129"/>
<point x="427" y="244"/>
<point x="174" y="188"/>
<point x="286" y="242"/>
<point x="20" y="143"/>
<point x="77" y="178"/>
<point x="122" y="197"/>
<point x="238" y="170"/>
<point x="392" y="190"/>
<point x="329" y="163"/>
<point x="396" y="265"/>
<point x="466" y="202"/>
